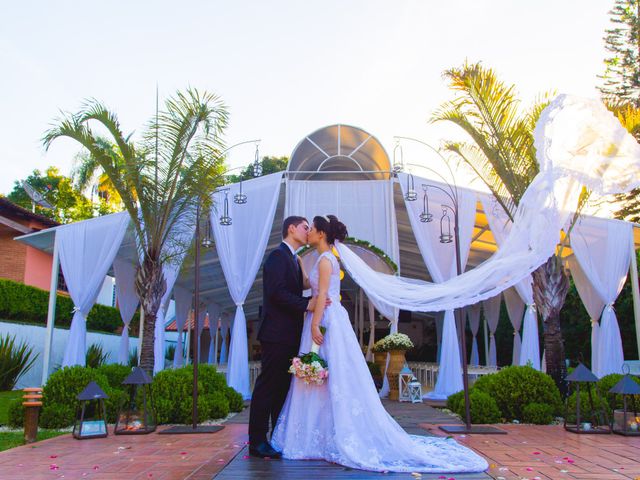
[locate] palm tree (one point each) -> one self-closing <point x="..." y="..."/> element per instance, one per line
<point x="159" y="181"/>
<point x="502" y="154"/>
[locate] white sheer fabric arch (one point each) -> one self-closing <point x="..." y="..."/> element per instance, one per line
<point x="473" y="313"/>
<point x="440" y="260"/>
<point x="213" y="310"/>
<point x="170" y="272"/>
<point x="578" y="142"/>
<point x="515" y="310"/>
<point x="127" y="298"/>
<point x="603" y="249"/>
<point x="183" y="298"/>
<point x="241" y="249"/>
<point x="491" y="309"/>
<point x="225" y="320"/>
<point x="87" y="250"/>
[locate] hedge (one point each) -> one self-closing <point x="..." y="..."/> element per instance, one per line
<point x="29" y="304"/>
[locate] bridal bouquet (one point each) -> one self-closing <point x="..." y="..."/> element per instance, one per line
<point x="310" y="367"/>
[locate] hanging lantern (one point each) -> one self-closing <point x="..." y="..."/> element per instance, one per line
<point x="593" y="421"/>
<point x="405" y="377"/>
<point x="225" y="219"/>
<point x="136" y="415"/>
<point x="207" y="241"/>
<point x="398" y="158"/>
<point x="240" y="198"/>
<point x="425" y="216"/>
<point x="411" y="195"/>
<point x="257" y="164"/>
<point x="626" y="420"/>
<point x="445" y="227"/>
<point x="91" y="415"/>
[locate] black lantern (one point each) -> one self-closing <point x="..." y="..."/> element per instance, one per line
<point x="225" y="219"/>
<point x="626" y="421"/>
<point x="595" y="419"/>
<point x="240" y="198"/>
<point x="91" y="415"/>
<point x="137" y="415"/>
<point x="445" y="227"/>
<point x="207" y="241"/>
<point x="425" y="216"/>
<point x="411" y="195"/>
<point x="398" y="158"/>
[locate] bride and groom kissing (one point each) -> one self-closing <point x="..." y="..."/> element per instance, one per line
<point x="343" y="420"/>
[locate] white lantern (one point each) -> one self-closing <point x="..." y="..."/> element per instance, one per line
<point x="415" y="391"/>
<point x="404" y="378"/>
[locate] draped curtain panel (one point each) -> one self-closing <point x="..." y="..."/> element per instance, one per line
<point x="515" y="310"/>
<point x="491" y="309"/>
<point x="225" y="320"/>
<point x="440" y="260"/>
<point x="241" y="247"/>
<point x="127" y="298"/>
<point x="473" y="313"/>
<point x="87" y="250"/>
<point x="603" y="250"/>
<point x="184" y="299"/>
<point x="213" y="310"/>
<point x="365" y="207"/>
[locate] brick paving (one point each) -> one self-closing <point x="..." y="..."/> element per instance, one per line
<point x="527" y="452"/>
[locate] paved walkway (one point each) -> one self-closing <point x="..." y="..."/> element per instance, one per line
<point x="527" y="452"/>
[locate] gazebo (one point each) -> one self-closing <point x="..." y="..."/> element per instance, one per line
<point x="346" y="171"/>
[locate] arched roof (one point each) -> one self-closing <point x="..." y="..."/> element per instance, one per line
<point x="336" y="149"/>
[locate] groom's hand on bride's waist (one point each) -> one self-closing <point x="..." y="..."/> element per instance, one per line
<point x="312" y="303"/>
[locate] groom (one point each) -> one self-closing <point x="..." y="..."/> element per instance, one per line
<point x="283" y="311"/>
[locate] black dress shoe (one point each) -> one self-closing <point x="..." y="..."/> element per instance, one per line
<point x="264" y="450"/>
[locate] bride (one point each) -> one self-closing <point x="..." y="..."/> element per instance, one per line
<point x="343" y="421"/>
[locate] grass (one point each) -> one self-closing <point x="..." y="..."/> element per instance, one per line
<point x="5" y="400"/>
<point x="15" y="439"/>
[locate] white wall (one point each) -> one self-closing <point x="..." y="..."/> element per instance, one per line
<point x="106" y="295"/>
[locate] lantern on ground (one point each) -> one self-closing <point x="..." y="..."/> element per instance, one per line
<point x="91" y="415"/>
<point x="136" y="415"/>
<point x="595" y="419"/>
<point x="415" y="391"/>
<point x="626" y="421"/>
<point x="404" y="378"/>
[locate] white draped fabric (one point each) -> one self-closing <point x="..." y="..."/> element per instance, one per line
<point x="87" y="250"/>
<point x="491" y="308"/>
<point x="224" y="331"/>
<point x="500" y="226"/>
<point x="515" y="310"/>
<point x="603" y="248"/>
<point x="240" y="249"/>
<point x="365" y="206"/>
<point x="372" y="330"/>
<point x="578" y="142"/>
<point x="170" y="272"/>
<point x="473" y="313"/>
<point x="440" y="260"/>
<point x="213" y="310"/>
<point x="127" y="298"/>
<point x="183" y="298"/>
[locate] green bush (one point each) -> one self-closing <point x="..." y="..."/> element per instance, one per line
<point x="586" y="411"/>
<point x="15" y="413"/>
<point x="537" y="413"/>
<point x="115" y="373"/>
<point x="15" y="360"/>
<point x="605" y="384"/>
<point x="482" y="407"/>
<point x="515" y="387"/>
<point x="236" y="403"/>
<point x="29" y="304"/>
<point x="57" y="416"/>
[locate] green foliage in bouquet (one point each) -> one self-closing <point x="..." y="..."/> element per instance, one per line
<point x="313" y="357"/>
<point x="395" y="341"/>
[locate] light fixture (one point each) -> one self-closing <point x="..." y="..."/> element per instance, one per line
<point x="445" y="227"/>
<point x="411" y="194"/>
<point x="225" y="219"/>
<point x="425" y="216"/>
<point x="207" y="241"/>
<point x="257" y="164"/>
<point x="398" y="158"/>
<point x="240" y="198"/>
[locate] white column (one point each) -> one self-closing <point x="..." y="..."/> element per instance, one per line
<point x="51" y="312"/>
<point x="633" y="271"/>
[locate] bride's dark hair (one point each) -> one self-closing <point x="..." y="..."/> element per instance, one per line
<point x="332" y="227"/>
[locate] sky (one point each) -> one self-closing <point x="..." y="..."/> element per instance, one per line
<point x="283" y="68"/>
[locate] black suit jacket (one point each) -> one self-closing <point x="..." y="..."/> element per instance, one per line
<point x="283" y="305"/>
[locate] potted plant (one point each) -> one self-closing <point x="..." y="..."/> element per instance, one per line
<point x="396" y="345"/>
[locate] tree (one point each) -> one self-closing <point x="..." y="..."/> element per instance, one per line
<point x="87" y="174"/>
<point x="622" y="42"/>
<point x="269" y="165"/>
<point x="160" y="181"/>
<point x="502" y="154"/>
<point x="69" y="204"/>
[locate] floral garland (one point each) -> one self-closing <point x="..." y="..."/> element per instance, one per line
<point x="367" y="245"/>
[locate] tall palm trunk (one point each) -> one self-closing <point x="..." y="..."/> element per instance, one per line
<point x="150" y="286"/>
<point x="550" y="287"/>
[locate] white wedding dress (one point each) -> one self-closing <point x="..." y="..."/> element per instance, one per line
<point x="343" y="421"/>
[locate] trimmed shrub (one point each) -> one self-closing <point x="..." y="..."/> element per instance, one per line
<point x="586" y="412"/>
<point x="605" y="384"/>
<point x="538" y="413"/>
<point x="115" y="373"/>
<point x="236" y="403"/>
<point x="57" y="416"/>
<point x="515" y="387"/>
<point x="482" y="407"/>
<point x="15" y="413"/>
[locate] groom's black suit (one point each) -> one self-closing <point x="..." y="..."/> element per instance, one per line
<point x="283" y="310"/>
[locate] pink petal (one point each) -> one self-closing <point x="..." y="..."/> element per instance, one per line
<point x="183" y="453"/>
<point x="529" y="469"/>
<point x="536" y="453"/>
<point x="245" y="457"/>
<point x="53" y="456"/>
<point x="96" y="467"/>
<point x="570" y="461"/>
